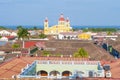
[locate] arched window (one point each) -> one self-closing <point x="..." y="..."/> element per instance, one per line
<point x="66" y="73"/>
<point x="91" y="74"/>
<point x="42" y="73"/>
<point x="54" y="73"/>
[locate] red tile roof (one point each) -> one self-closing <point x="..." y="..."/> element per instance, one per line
<point x="10" y="37"/>
<point x="29" y="44"/>
<point x="40" y="44"/>
<point x="115" y="69"/>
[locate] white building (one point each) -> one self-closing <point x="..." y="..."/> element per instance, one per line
<point x="4" y="39"/>
<point x="33" y="32"/>
<point x="13" y="34"/>
<point x="112" y="37"/>
<point x="2" y="52"/>
<point x="2" y="58"/>
<point x="68" y="35"/>
<point x="7" y="33"/>
<point x="108" y="74"/>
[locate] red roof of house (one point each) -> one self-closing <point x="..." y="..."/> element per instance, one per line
<point x="10" y="37"/>
<point x="29" y="44"/>
<point x="40" y="44"/>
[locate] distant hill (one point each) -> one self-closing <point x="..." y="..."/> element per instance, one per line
<point x="2" y="27"/>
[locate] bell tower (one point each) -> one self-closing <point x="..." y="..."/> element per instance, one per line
<point x="61" y="20"/>
<point x="46" y="24"/>
<point x="67" y="22"/>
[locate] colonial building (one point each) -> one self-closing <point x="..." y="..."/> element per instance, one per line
<point x="62" y="26"/>
<point x="62" y="69"/>
<point x="74" y="36"/>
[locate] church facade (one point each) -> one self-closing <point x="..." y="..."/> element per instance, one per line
<point x="62" y="26"/>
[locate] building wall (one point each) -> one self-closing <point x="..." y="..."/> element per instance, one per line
<point x="84" y="36"/>
<point x="56" y="29"/>
<point x="67" y="37"/>
<point x="84" y="67"/>
<point x="112" y="51"/>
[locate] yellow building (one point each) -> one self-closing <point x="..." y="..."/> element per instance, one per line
<point x="63" y="26"/>
<point x="84" y="36"/>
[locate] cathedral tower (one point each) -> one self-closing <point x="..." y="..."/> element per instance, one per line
<point x="46" y="24"/>
<point x="61" y="20"/>
<point x="67" y="22"/>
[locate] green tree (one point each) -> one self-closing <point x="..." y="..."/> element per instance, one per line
<point x="109" y="33"/>
<point x="81" y="53"/>
<point x="16" y="46"/>
<point x="2" y="27"/>
<point x="35" y="28"/>
<point x="42" y="36"/>
<point x="46" y="53"/>
<point x="18" y="27"/>
<point x="85" y="30"/>
<point x="23" y="33"/>
<point x="58" y="54"/>
<point x="99" y="29"/>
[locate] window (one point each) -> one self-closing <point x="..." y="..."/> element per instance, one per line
<point x="98" y="75"/>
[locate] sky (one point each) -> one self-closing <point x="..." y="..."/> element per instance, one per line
<point x="80" y="12"/>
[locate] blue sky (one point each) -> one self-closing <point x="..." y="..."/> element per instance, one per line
<point x="80" y="12"/>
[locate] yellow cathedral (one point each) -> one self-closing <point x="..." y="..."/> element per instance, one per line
<point x="63" y="26"/>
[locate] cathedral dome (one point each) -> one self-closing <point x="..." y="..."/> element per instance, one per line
<point x="61" y="18"/>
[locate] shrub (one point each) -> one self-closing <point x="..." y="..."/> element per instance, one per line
<point x="81" y="53"/>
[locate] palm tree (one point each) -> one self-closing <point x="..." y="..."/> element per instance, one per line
<point x="42" y="36"/>
<point x="23" y="33"/>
